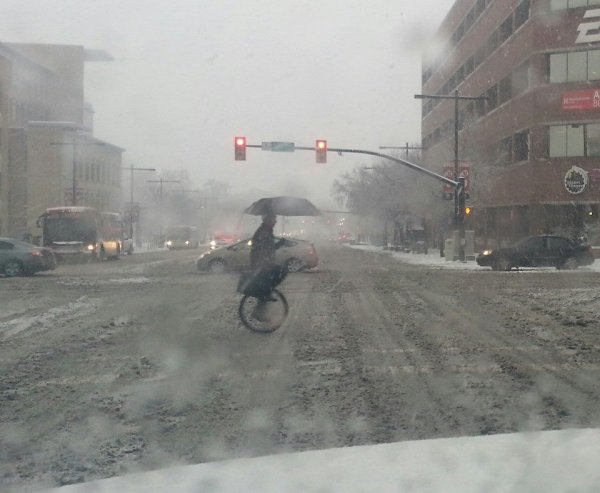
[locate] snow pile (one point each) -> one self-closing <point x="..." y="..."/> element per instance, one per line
<point x="545" y="461"/>
<point x="434" y="261"/>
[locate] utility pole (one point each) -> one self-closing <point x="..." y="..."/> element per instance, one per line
<point x="160" y="201"/>
<point x="75" y="145"/>
<point x="132" y="169"/>
<point x="406" y="147"/>
<point x="459" y="191"/>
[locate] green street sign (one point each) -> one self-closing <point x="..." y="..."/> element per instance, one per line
<point x="278" y="146"/>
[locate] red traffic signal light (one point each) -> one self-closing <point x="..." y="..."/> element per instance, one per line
<point x="240" y="148"/>
<point x="321" y="148"/>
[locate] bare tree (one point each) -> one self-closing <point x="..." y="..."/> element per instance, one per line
<point x="392" y="195"/>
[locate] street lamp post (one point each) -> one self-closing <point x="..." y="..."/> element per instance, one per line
<point x="132" y="169"/>
<point x="160" y="201"/>
<point x="459" y="191"/>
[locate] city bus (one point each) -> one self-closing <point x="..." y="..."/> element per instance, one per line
<point x="80" y="233"/>
<point x="182" y="237"/>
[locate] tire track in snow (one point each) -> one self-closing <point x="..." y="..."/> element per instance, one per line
<point x="50" y="319"/>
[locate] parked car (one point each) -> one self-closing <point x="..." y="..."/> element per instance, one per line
<point x="18" y="258"/>
<point x="295" y="254"/>
<point x="538" y="251"/>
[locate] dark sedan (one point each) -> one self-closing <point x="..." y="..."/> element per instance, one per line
<point x="18" y="258"/>
<point x="538" y="251"/>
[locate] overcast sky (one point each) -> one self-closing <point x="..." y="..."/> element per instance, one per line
<point x="189" y="75"/>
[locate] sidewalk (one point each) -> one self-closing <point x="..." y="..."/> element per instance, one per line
<point x="434" y="261"/>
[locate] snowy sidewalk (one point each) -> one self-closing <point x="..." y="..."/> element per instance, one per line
<point x="434" y="261"/>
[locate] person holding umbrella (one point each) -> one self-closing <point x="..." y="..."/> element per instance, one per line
<point x="266" y="272"/>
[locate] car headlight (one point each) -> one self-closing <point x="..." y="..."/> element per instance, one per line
<point x="169" y="243"/>
<point x="213" y="243"/>
<point x="187" y="242"/>
<point x="90" y="248"/>
<point x="486" y="252"/>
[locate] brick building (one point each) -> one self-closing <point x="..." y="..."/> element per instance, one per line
<point x="534" y="145"/>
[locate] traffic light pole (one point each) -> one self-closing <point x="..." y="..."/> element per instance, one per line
<point x="459" y="197"/>
<point x="404" y="148"/>
<point x="458" y="184"/>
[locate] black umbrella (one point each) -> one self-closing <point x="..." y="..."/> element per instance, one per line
<point x="283" y="206"/>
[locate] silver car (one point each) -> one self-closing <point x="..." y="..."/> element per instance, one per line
<point x="295" y="254"/>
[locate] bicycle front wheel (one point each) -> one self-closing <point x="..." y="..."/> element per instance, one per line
<point x="264" y="316"/>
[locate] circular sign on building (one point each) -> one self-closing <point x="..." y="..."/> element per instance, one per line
<point x="576" y="180"/>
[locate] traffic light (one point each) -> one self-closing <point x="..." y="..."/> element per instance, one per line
<point x="240" y="148"/>
<point x="321" y="148"/>
<point x="468" y="210"/>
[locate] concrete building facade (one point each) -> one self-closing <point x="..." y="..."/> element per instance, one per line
<point x="46" y="134"/>
<point x="533" y="146"/>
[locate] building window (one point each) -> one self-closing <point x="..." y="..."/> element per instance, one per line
<point x="505" y="151"/>
<point x="575" y="66"/>
<point x="521" y="14"/>
<point x="572" y="4"/>
<point x="492" y="98"/>
<point x="592" y="140"/>
<point x="479" y="57"/>
<point x="593" y="65"/>
<point x="469" y="66"/>
<point x="479" y="7"/>
<point x="469" y="19"/>
<point x="558" y="68"/>
<point x="521" y="146"/>
<point x="492" y="43"/>
<point x="506" y="29"/>
<point x="558" y="141"/>
<point x="520" y="79"/>
<point x="566" y="141"/>
<point x="480" y="106"/>
<point x="575" y="146"/>
<point x="505" y="89"/>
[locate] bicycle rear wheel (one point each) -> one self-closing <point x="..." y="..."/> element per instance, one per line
<point x="272" y="314"/>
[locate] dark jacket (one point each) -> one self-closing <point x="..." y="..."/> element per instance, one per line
<point x="262" y="252"/>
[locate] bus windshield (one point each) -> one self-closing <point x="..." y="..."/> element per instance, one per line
<point x="59" y="229"/>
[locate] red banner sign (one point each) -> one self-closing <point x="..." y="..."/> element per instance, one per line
<point x="464" y="170"/>
<point x="585" y="99"/>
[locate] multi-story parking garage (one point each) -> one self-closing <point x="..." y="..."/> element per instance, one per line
<point x="533" y="145"/>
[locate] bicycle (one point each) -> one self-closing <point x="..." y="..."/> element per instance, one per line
<point x="262" y="308"/>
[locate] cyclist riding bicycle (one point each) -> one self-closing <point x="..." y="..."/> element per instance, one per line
<point x="265" y="271"/>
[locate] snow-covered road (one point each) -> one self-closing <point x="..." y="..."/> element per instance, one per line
<point x="142" y="363"/>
